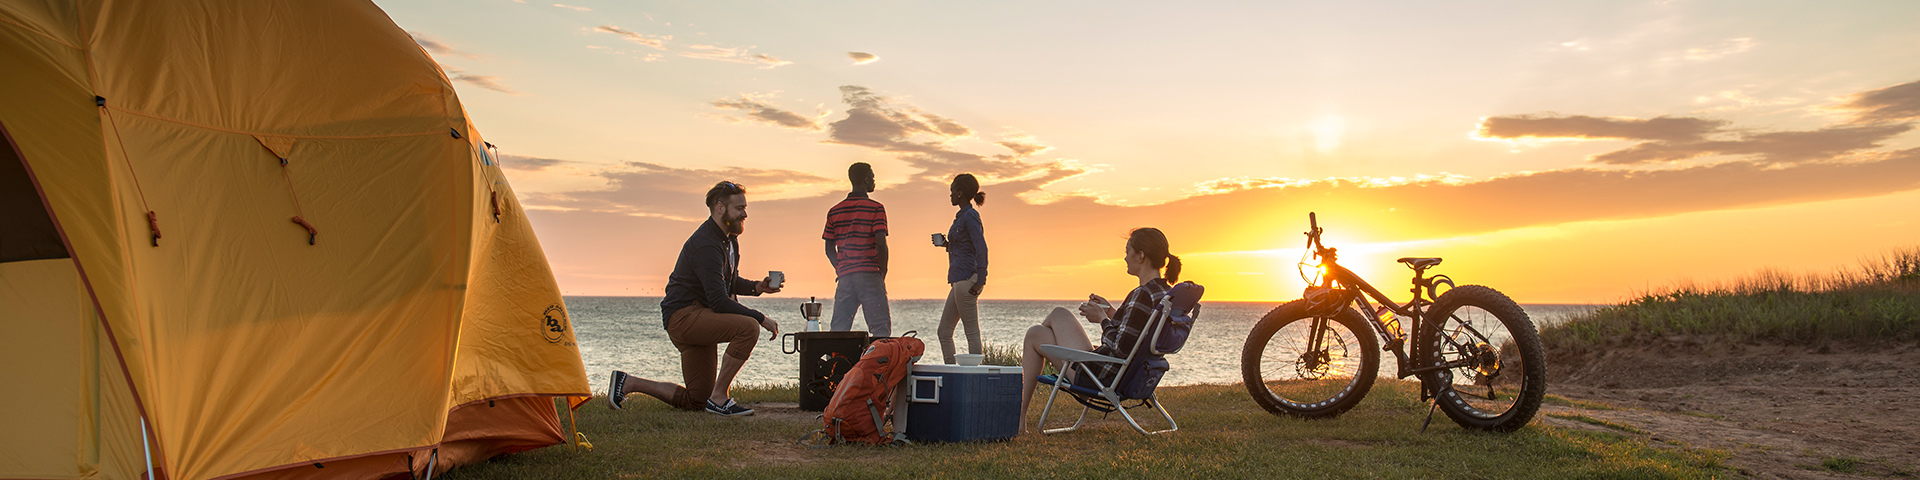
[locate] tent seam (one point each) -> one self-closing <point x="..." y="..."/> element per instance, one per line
<point x="266" y="134"/>
<point x="35" y="31"/>
<point x="518" y="395"/>
<point x="157" y="449"/>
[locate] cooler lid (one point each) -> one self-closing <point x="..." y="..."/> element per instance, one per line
<point x="982" y="369"/>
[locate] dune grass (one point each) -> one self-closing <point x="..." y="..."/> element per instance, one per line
<point x="1875" y="301"/>
<point x="1223" y="434"/>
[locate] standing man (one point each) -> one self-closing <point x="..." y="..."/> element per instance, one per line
<point x="856" y="238"/>
<point x="700" y="312"/>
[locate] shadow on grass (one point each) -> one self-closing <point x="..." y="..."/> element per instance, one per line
<point x="1223" y="434"/>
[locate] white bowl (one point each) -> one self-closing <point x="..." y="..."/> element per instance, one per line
<point x="969" y="359"/>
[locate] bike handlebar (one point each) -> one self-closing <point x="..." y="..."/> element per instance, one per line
<point x="1313" y="233"/>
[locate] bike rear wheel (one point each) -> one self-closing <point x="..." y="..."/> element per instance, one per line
<point x="1498" y="370"/>
<point x="1287" y="376"/>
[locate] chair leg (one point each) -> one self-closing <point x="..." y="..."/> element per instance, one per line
<point x="1044" y="411"/>
<point x="1153" y="402"/>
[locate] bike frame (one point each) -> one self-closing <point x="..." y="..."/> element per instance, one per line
<point x="1414" y="310"/>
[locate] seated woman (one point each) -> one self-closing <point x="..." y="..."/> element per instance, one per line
<point x="1120" y="328"/>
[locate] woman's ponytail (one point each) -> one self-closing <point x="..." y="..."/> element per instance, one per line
<point x="1173" y="268"/>
<point x="969" y="188"/>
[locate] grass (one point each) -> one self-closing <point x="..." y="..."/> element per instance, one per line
<point x="1223" y="434"/>
<point x="1877" y="301"/>
<point x="1008" y="355"/>
<point x="1842" y="464"/>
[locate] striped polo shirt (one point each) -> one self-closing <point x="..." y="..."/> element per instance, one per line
<point x="851" y="226"/>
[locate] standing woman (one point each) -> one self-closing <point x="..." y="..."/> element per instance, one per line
<point x="966" y="266"/>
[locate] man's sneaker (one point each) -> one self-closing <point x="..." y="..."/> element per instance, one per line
<point x="731" y="409"/>
<point x="616" y="390"/>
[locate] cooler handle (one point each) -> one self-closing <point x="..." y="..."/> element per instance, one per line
<point x="938" y="382"/>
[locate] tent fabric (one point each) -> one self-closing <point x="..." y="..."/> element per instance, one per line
<point x="247" y="349"/>
<point x="65" y="416"/>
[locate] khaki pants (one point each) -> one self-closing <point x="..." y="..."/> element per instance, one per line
<point x="698" y="331"/>
<point x="964" y="308"/>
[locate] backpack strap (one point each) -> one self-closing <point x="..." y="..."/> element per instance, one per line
<point x="877" y="430"/>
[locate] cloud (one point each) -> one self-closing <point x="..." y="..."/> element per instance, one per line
<point x="733" y="55"/>
<point x="1672" y="139"/>
<point x="1786" y="147"/>
<point x="920" y="138"/>
<point x="655" y="41"/>
<point x="1898" y="103"/>
<point x="1024" y="146"/>
<point x="1598" y="128"/>
<point x="437" y="47"/>
<point x="517" y="162"/>
<point x="489" y="82"/>
<point x="574" y="8"/>
<point x="743" y="55"/>
<point x="1731" y="46"/>
<point x="1230" y="185"/>
<point x="759" y="111"/>
<point x="654" y="190"/>
<point x="863" y="58"/>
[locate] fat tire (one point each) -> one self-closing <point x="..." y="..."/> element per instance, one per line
<point x="1526" y="338"/>
<point x="1261" y="337"/>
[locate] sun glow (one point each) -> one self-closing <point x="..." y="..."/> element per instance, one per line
<point x="1328" y="132"/>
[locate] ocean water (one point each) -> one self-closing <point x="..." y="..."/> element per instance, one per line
<point x="625" y="333"/>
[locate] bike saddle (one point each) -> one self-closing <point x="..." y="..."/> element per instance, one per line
<point x="1420" y="263"/>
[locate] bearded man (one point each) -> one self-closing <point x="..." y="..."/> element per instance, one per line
<point x="701" y="311"/>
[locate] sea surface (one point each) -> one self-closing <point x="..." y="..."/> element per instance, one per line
<point x="625" y="333"/>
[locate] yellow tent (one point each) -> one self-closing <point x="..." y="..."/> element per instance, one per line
<point x="266" y="231"/>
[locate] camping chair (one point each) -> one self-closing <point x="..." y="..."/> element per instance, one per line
<point x="1165" y="332"/>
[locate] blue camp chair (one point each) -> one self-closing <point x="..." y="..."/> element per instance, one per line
<point x="1165" y="332"/>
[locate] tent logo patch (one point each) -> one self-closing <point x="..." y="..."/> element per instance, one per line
<point x="553" y="324"/>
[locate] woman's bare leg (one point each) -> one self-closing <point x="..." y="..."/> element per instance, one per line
<point x="1059" y="328"/>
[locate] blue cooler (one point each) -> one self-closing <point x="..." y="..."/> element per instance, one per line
<point x="952" y="403"/>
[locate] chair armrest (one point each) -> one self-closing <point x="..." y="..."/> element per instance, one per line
<point x="1070" y="355"/>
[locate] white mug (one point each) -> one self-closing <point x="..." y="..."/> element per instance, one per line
<point x="776" y="278"/>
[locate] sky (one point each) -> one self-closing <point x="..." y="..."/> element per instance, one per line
<point x="1561" y="152"/>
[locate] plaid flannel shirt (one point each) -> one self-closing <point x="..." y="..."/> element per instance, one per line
<point x="1119" y="333"/>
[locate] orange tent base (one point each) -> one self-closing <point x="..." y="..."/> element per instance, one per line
<point x="476" y="432"/>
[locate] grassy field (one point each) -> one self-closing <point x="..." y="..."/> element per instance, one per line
<point x="1223" y="434"/>
<point x="1877" y="301"/>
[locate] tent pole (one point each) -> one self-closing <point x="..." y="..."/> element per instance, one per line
<point x="145" y="447"/>
<point x="573" y="424"/>
<point x="430" y="461"/>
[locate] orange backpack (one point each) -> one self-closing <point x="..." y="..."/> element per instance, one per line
<point x="864" y="398"/>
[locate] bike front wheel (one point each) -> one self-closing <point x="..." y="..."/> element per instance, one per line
<point x="1288" y="373"/>
<point x="1495" y="369"/>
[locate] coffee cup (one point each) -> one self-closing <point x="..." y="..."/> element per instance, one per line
<point x="939" y="239"/>
<point x="776" y="278"/>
